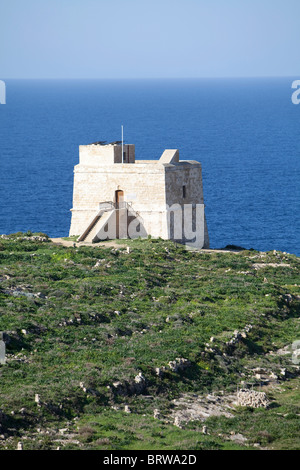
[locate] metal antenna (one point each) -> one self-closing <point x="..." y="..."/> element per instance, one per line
<point x="122" y="145"/>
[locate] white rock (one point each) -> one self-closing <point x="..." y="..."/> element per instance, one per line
<point x="177" y="422"/>
<point x="139" y="378"/>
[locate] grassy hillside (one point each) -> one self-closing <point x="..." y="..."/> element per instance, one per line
<point x="90" y="330"/>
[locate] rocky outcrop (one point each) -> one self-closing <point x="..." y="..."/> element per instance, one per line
<point x="227" y="348"/>
<point x="21" y="291"/>
<point x="35" y="238"/>
<point x="127" y="388"/>
<point x="237" y="337"/>
<point x="198" y="408"/>
<point x="179" y="364"/>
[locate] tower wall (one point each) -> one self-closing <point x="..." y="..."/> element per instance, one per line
<point x="150" y="187"/>
<point x="143" y="187"/>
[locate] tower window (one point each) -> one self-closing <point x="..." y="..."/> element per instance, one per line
<point x="184" y="192"/>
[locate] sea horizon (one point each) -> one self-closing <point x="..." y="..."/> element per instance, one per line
<point x="244" y="133"/>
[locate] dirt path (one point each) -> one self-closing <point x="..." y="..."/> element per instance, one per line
<point x="113" y="244"/>
<point x="109" y="244"/>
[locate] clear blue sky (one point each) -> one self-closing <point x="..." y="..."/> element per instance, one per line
<point x="149" y="39"/>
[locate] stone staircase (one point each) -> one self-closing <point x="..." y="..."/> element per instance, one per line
<point x="107" y="210"/>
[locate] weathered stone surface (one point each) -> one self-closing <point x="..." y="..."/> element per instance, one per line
<point x="199" y="408"/>
<point x="191" y="407"/>
<point x="252" y="398"/>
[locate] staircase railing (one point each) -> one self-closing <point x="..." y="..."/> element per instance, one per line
<point x="110" y="205"/>
<point x="105" y="207"/>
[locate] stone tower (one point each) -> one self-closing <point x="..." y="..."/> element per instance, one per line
<point x="117" y="196"/>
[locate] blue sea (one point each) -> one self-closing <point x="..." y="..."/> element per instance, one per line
<point x="245" y="132"/>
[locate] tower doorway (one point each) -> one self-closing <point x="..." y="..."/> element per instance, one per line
<point x="121" y="214"/>
<point x="119" y="198"/>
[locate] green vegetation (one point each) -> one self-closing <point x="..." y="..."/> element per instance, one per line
<point x="79" y="319"/>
